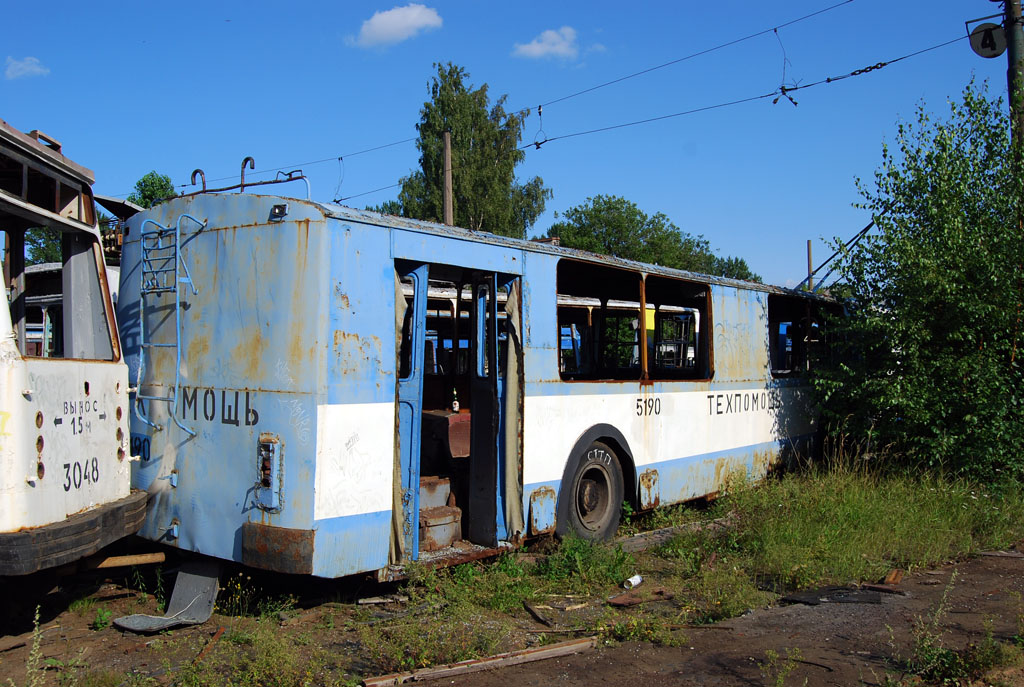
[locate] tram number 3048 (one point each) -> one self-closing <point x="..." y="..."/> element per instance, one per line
<point x="78" y="473"/>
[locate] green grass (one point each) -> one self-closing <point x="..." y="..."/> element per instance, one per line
<point x="241" y="597"/>
<point x="932" y="662"/>
<point x="842" y="525"/>
<point x="261" y="655"/>
<point x="581" y="566"/>
<point x="818" y="527"/>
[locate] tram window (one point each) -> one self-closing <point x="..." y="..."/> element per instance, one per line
<point x="54" y="294"/>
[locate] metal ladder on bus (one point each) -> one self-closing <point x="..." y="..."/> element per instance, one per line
<point x="163" y="270"/>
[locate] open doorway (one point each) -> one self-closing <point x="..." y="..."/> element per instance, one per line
<point x="459" y="410"/>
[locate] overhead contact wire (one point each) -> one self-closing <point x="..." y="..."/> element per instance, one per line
<point x="697" y="54"/>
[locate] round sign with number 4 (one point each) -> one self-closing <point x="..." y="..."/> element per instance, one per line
<point x="988" y="40"/>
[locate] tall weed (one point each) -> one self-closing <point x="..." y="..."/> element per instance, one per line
<point x="843" y="523"/>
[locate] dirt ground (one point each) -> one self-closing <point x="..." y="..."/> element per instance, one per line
<point x="839" y="643"/>
<point x="846" y="641"/>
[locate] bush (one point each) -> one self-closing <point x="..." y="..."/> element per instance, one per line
<point x="927" y="361"/>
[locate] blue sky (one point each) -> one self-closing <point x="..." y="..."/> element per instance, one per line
<point x="130" y="87"/>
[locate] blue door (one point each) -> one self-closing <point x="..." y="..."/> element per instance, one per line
<point x="410" y="397"/>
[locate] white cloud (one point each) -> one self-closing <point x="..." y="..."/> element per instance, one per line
<point x="396" y="25"/>
<point x="30" y="66"/>
<point x="550" y="43"/>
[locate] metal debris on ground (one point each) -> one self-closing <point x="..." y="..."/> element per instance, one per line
<point x="537" y="615"/>
<point x="635" y="597"/>
<point x="895" y="576"/>
<point x="192" y="601"/>
<point x="884" y="588"/>
<point x="388" y="599"/>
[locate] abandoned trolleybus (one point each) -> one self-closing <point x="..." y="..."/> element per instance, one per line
<point x="328" y="391"/>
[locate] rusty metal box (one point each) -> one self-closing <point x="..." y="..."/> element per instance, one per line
<point x="440" y="527"/>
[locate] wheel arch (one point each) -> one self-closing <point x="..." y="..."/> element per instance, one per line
<point x="617" y="442"/>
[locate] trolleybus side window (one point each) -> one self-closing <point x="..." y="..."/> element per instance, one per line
<point x="599" y="322"/>
<point x="794" y="327"/>
<point x="677" y="319"/>
<point x="605" y="333"/>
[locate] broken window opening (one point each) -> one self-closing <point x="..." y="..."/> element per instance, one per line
<point x="615" y="324"/>
<point x="794" y="334"/>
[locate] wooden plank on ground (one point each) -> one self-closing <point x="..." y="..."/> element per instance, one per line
<point x="512" y="658"/>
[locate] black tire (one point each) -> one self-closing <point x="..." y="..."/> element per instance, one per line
<point x="591" y="501"/>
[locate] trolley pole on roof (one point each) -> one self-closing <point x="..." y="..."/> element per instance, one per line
<point x="1015" y="55"/>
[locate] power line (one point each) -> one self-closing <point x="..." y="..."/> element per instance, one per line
<point x="782" y="90"/>
<point x="566" y="97"/>
<point x="538" y="144"/>
<point x="366" y="193"/>
<point x="696" y="54"/>
<point x="317" y="162"/>
<point x="878" y="65"/>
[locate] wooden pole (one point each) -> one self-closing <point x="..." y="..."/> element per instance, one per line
<point x="810" y="268"/>
<point x="449" y="218"/>
<point x="1015" y="57"/>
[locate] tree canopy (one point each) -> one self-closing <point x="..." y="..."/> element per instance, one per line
<point x="484" y="140"/>
<point x="151" y="189"/>
<point x="42" y="244"/>
<point x="612" y="225"/>
<point x="928" y="361"/>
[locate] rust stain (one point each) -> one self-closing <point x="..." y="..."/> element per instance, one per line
<point x="297" y="351"/>
<point x="356" y="349"/>
<point x="249" y="352"/>
<point x="727" y="469"/>
<point x="344" y="300"/>
<point x="763" y="462"/>
<point x="301" y="346"/>
<point x="542" y="502"/>
<point x="303" y="236"/>
<point x="650" y="494"/>
<point x="280" y="549"/>
<point x="198" y="350"/>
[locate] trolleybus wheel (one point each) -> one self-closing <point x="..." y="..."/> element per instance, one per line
<point x="593" y="497"/>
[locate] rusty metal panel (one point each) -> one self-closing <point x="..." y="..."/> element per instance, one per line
<point x="650" y="494"/>
<point x="740" y="341"/>
<point x="440" y="527"/>
<point x="435" y="492"/>
<point x="280" y="549"/>
<point x="542" y="510"/>
<point x="252" y="342"/>
<point x="448" y="431"/>
<point x="458" y="434"/>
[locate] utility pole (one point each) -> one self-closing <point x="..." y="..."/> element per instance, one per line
<point x="1015" y="55"/>
<point x="449" y="215"/>
<point x="810" y="268"/>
